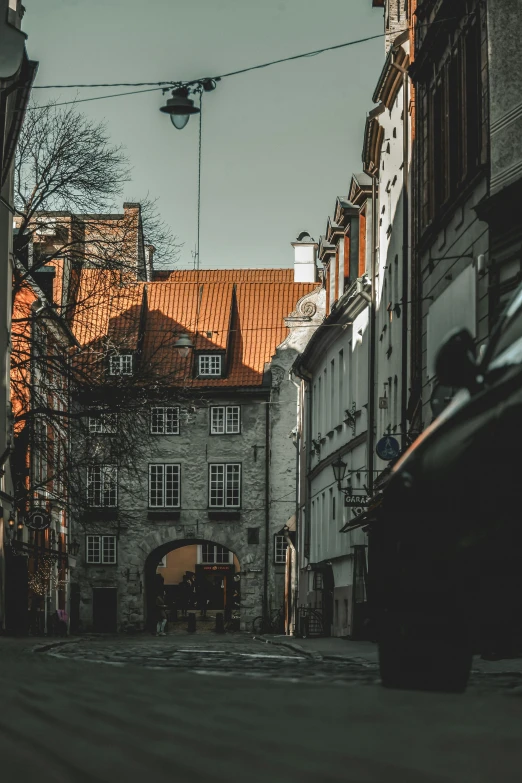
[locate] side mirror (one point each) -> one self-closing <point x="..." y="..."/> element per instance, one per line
<point x="456" y="365"/>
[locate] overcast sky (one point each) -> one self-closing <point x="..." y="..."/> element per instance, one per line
<point x="279" y="144"/>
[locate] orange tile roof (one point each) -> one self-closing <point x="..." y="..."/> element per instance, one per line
<point x="225" y="275"/>
<point x="242" y="318"/>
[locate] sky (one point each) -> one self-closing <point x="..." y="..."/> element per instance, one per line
<point x="279" y="144"/>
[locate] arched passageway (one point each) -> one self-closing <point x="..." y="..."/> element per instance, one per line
<point x="192" y="574"/>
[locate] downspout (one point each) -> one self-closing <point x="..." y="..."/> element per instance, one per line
<point x="371" y="369"/>
<point x="405" y="261"/>
<point x="405" y="254"/>
<point x="267" y="510"/>
<point x="307" y="402"/>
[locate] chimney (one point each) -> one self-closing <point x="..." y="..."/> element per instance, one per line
<point x="150" y="250"/>
<point x="305" y="256"/>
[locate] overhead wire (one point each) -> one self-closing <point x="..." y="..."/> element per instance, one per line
<point x="165" y="85"/>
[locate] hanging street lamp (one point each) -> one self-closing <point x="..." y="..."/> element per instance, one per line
<point x="180" y="107"/>
<point x="184" y="345"/>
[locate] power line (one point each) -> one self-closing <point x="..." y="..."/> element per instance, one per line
<point x="97" y="98"/>
<point x="163" y="84"/>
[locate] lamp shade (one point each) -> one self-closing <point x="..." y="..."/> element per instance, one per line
<point x="339" y="469"/>
<point x="183" y="345"/>
<point x="180" y="107"/>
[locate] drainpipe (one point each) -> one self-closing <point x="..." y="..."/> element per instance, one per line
<point x="405" y="254"/>
<point x="267" y="509"/>
<point x="371" y="362"/>
<point x="405" y="260"/>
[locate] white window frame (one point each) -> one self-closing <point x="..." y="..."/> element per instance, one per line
<point x="103" y="424"/>
<point x="224" y="474"/>
<point x="214" y="561"/>
<point x="222" y="419"/>
<point x="164" y="420"/>
<point x="107" y="474"/>
<point x="121" y="364"/>
<point x="101" y="550"/>
<point x="163" y="562"/>
<point x="210" y="365"/>
<point x="158" y="495"/>
<point x="280" y="547"/>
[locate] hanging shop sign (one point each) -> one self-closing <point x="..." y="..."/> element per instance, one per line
<point x="38" y="519"/>
<point x="356" y="501"/>
<point x="388" y="448"/>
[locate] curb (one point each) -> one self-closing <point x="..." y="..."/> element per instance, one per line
<point x="292" y="646"/>
<point x="319" y="656"/>
<point x="46" y="647"/>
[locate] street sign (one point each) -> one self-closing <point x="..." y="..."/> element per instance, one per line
<point x="38" y="519"/>
<point x="356" y="501"/>
<point x="388" y="448"/>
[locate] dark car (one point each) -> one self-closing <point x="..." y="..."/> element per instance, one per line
<point x="447" y="544"/>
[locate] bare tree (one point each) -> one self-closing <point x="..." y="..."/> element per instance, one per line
<point x="68" y="179"/>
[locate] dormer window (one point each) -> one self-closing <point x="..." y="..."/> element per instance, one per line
<point x="210" y="365"/>
<point x="120" y="364"/>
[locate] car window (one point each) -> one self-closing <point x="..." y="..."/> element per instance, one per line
<point x="510" y="333"/>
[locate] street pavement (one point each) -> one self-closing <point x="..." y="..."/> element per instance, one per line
<point x="213" y="708"/>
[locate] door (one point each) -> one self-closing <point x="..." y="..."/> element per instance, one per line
<point x="16" y="594"/>
<point x="105" y="609"/>
<point x="74" y="614"/>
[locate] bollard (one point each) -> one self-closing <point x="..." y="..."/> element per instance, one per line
<point x="220" y="626"/>
<point x="191" y="624"/>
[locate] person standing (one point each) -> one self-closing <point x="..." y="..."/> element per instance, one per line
<point x="202" y="596"/>
<point x="161" y="616"/>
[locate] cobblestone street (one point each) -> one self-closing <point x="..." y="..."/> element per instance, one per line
<point x="185" y="708"/>
<point x="242" y="655"/>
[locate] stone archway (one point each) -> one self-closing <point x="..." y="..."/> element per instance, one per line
<point x="138" y="560"/>
<point x="152" y="580"/>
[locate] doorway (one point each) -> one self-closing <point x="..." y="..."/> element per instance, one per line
<point x="17" y="594"/>
<point x="105" y="609"/>
<point x="192" y="574"/>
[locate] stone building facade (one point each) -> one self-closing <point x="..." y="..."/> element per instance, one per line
<point x="224" y="473"/>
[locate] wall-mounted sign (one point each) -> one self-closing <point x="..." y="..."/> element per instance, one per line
<point x="388" y="448"/>
<point x="356" y="501"/>
<point x="217" y="567"/>
<point x="38" y="519"/>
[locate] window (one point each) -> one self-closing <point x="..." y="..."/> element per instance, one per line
<point x="121" y="364"/>
<point x="163" y="562"/>
<point x="102" y="485"/>
<point x="213" y="553"/>
<point x="225" y="485"/>
<point x="101" y="549"/>
<point x="452" y="122"/>
<point x="164" y="421"/>
<point x="280" y="547"/>
<point x="164" y="485"/>
<point x="318" y="580"/>
<point x="104" y="422"/>
<point x="209" y="364"/>
<point x="225" y="420"/>
<point x="253" y="535"/>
